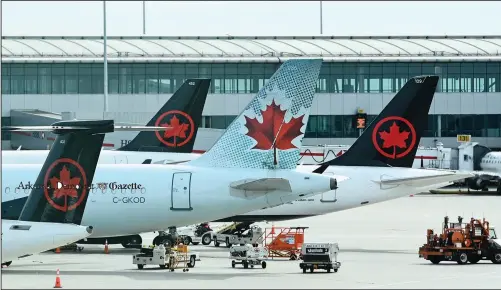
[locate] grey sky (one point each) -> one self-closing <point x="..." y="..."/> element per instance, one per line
<point x="25" y="18"/>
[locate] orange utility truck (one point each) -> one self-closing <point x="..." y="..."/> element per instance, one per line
<point x="462" y="243"/>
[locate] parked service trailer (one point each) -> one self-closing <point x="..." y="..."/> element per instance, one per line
<point x="320" y="256"/>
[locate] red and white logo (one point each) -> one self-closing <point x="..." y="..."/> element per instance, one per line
<point x="394" y="137"/>
<point x="182" y="128"/>
<point x="264" y="133"/>
<point x="65" y="184"/>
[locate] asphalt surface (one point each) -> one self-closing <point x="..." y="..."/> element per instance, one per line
<point x="378" y="249"/>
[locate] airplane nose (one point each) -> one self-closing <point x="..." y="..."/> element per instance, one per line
<point x="333" y="184"/>
<point x="89" y="229"/>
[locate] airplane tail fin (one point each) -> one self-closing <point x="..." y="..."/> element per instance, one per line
<point x="268" y="133"/>
<point x="183" y="111"/>
<point x="60" y="192"/>
<point x="392" y="139"/>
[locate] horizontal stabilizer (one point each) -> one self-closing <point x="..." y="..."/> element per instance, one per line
<point x="487" y="175"/>
<point x="421" y="181"/>
<point x="263" y="184"/>
<point x="74" y="128"/>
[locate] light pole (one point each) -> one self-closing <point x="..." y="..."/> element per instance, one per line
<point x="321" y="20"/>
<point x="105" y="63"/>
<point x="144" y="17"/>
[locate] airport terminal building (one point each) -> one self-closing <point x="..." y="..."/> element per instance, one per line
<point x="44" y="76"/>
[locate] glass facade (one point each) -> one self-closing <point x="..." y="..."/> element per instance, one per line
<point x="328" y="126"/>
<point x="239" y="78"/>
<point x="6" y="135"/>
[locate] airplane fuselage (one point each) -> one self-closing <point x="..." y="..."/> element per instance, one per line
<point x="358" y="184"/>
<point x="491" y="162"/>
<point x="20" y="238"/>
<point x="358" y="187"/>
<point x="158" y="195"/>
<point x="106" y="157"/>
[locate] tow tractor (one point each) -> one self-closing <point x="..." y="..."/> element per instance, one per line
<point x="196" y="234"/>
<point x="248" y="255"/>
<point x="166" y="257"/>
<point x="462" y="242"/>
<point x="229" y="234"/>
<point x="320" y="256"/>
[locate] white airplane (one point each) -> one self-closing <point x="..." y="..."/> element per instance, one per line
<point x="250" y="167"/>
<point x="41" y="225"/>
<point x="486" y="166"/>
<point x="21" y="239"/>
<point x="183" y="110"/>
<point x="378" y="166"/>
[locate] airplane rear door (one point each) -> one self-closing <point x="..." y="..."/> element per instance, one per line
<point x="181" y="191"/>
<point x="121" y="159"/>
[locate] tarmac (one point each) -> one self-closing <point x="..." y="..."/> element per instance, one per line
<point x="378" y="249"/>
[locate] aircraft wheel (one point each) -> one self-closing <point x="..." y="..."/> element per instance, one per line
<point x="167" y="241"/>
<point x="132" y="242"/>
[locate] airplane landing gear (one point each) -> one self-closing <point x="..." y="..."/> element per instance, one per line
<point x="167" y="239"/>
<point x="132" y="242"/>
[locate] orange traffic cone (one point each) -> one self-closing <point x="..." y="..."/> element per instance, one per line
<point x="58" y="280"/>
<point x="58" y="250"/>
<point x="106" y="247"/>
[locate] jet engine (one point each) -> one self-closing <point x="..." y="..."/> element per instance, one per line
<point x="478" y="183"/>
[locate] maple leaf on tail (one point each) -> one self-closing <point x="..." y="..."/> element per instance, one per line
<point x="394" y="138"/>
<point x="264" y="133"/>
<point x="64" y="185"/>
<point x="177" y="129"/>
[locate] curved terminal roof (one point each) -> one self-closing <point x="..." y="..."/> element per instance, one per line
<point x="257" y="48"/>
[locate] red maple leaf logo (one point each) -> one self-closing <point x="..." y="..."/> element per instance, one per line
<point x="178" y="129"/>
<point x="64" y="185"/>
<point x="394" y="138"/>
<point x="264" y="133"/>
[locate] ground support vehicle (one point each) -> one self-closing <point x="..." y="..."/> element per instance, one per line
<point x="196" y="234"/>
<point x="171" y="258"/>
<point x="284" y="242"/>
<point x="230" y="233"/>
<point x="462" y="242"/>
<point x="248" y="255"/>
<point x="320" y="256"/>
